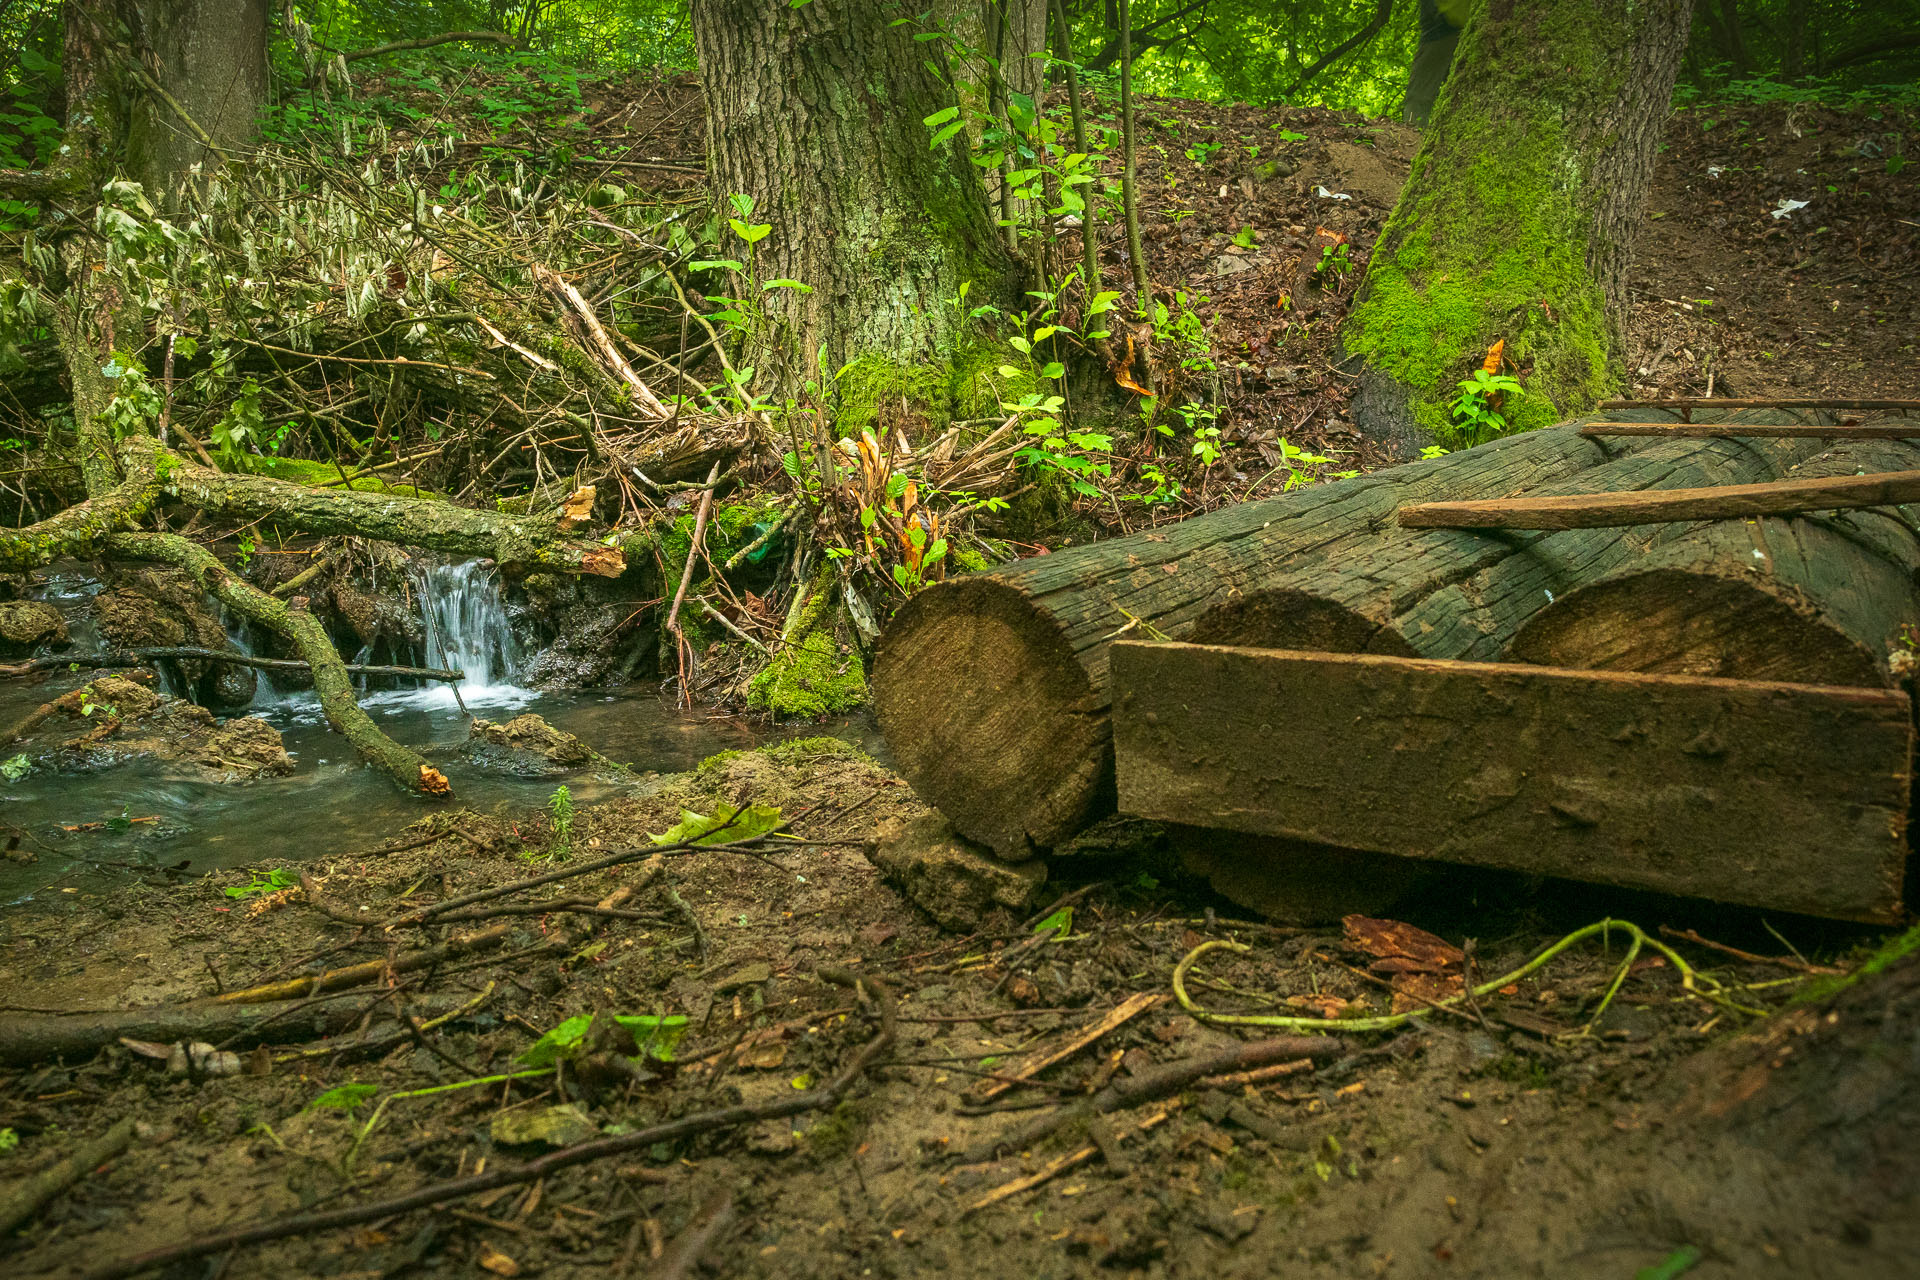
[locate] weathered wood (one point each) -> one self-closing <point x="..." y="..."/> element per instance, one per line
<point x="1817" y="599"/>
<point x="1773" y="795"/>
<point x="1611" y="510"/>
<point x="1667" y="431"/>
<point x="992" y="689"/>
<point x="228" y="657"/>
<point x="1759" y="402"/>
<point x="1463" y="594"/>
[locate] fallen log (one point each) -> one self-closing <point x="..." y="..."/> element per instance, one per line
<point x="1822" y="600"/>
<point x="1780" y="796"/>
<point x="992" y="689"/>
<point x="35" y="1193"/>
<point x="1898" y="430"/>
<point x="1761" y="402"/>
<point x="1462" y="594"/>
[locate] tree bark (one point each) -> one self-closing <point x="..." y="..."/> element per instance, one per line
<point x="816" y="112"/>
<point x="209" y="61"/>
<point x="1713" y="788"/>
<point x="992" y="689"/>
<point x="1517" y="220"/>
<point x="1822" y="600"/>
<point x="1463" y="594"/>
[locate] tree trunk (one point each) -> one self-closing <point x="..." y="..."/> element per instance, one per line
<point x="1517" y="220"/>
<point x="816" y="113"/>
<point x="1779" y="796"/>
<point x="1820" y="600"/>
<point x="1463" y="594"/>
<point x="992" y="689"/>
<point x="209" y="59"/>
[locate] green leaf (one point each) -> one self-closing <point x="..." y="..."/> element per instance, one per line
<point x="726" y="825"/>
<point x="945" y="134"/>
<point x="1053" y="369"/>
<point x="708" y="264"/>
<point x="558" y="1043"/>
<point x="784" y="283"/>
<point x="17" y="768"/>
<point x="655" y="1035"/>
<point x="1059" y="924"/>
<point x="753" y="234"/>
<point x="941" y="117"/>
<point x="1008" y="371"/>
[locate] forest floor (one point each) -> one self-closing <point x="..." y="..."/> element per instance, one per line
<point x="1675" y="1134"/>
<point x="1492" y="1141"/>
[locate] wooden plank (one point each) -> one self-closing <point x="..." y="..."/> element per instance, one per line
<point x="1725" y="502"/>
<point x="1902" y="430"/>
<point x="1757" y="402"/>
<point x="1781" y="796"/>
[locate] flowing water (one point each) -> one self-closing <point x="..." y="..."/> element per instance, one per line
<point x="161" y="818"/>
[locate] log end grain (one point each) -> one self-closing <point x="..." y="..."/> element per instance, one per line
<point x="992" y="718"/>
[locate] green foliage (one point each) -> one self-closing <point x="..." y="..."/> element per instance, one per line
<point x="726" y="825"/>
<point x="343" y="1097"/>
<point x="16" y="768"/>
<point x="654" y="1036"/>
<point x="1479" y="409"/>
<point x="273" y="881"/>
<point x="560" y="819"/>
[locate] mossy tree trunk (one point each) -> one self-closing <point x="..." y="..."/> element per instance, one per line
<point x="816" y="112"/>
<point x="1517" y="219"/>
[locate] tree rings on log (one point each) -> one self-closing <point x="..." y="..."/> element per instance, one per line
<point x="1779" y="796"/>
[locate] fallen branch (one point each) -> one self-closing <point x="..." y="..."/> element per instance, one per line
<point x="1158" y="1083"/>
<point x="515" y="1175"/>
<point x="230" y="657"/>
<point x="713" y="1218"/>
<point x="31" y="1196"/>
<point x="301" y="629"/>
<point x="370" y="971"/>
<point x="1904" y="430"/>
<point x="43" y="1038"/>
<point x="1056" y="1167"/>
<point x="1757" y="402"/>
<point x="594" y="337"/>
<point x="428" y="42"/>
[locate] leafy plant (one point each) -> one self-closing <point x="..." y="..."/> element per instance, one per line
<point x="16" y="768"/>
<point x="725" y="825"/>
<point x="1482" y="397"/>
<point x="273" y="881"/>
<point x="560" y="817"/>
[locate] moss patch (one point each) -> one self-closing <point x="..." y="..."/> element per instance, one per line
<point x="304" y="471"/>
<point x="809" y="676"/>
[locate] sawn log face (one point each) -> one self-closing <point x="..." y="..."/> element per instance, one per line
<point x="1782" y="796"/>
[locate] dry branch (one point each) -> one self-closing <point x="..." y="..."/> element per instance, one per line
<point x="230" y="657"/>
<point x="1615" y="510"/>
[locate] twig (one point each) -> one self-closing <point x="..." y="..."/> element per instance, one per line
<point x="1785" y="962"/>
<point x="31" y="1196"/>
<point x="228" y="657"/>
<point x="686" y="577"/>
<point x="516" y="1175"/>
<point x="713" y="1218"/>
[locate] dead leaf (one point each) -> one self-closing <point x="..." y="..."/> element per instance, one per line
<point x="433" y="782"/>
<point x="497" y="1262"/>
<point x="1492" y="363"/>
<point x="1407" y="949"/>
<point x="1320" y="1006"/>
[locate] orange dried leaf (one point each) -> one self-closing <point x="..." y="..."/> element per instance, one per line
<point x="1492" y="363"/>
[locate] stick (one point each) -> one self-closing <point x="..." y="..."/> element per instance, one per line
<point x="370" y="971"/>
<point x="1161" y="1081"/>
<point x="598" y="340"/>
<point x="686" y="577"/>
<point x="1124" y="1012"/>
<point x="1670" y="430"/>
<point x="1758" y="402"/>
<point x="713" y="1218"/>
<point x="533" y="1170"/>
<point x="1008" y="1190"/>
<point x="33" y="1195"/>
<point x="140" y="657"/>
<point x="1613" y="510"/>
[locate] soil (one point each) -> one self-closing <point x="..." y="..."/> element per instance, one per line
<point x="1499" y="1140"/>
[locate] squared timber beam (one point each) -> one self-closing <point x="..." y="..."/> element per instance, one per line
<point x="1782" y="796"/>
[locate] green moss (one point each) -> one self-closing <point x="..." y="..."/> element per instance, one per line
<point x="1882" y="956"/>
<point x="803" y="750"/>
<point x="717" y="761"/>
<point x="967" y="560"/>
<point x="306" y="472"/>
<point x="1496" y="249"/>
<point x="809" y="677"/>
<point x="967" y="386"/>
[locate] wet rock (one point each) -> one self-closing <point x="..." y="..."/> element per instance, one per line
<point x="25" y="625"/>
<point x="552" y="1127"/>
<point x="948" y="878"/>
<point x="156" y="608"/>
<point x="249" y="745"/>
<point x="528" y="747"/>
<point x="126" y="720"/>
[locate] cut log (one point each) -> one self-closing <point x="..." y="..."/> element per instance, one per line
<point x="1822" y="600"/>
<point x="1780" y="796"/>
<point x="1464" y="594"/>
<point x="991" y="689"/>
<point x="1761" y="402"/>
<point x="1897" y="430"/>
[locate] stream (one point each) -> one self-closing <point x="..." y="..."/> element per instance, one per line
<point x="161" y="817"/>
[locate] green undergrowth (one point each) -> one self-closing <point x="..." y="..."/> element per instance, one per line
<point x="1882" y="957"/>
<point x="809" y="675"/>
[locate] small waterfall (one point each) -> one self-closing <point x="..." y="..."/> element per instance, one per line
<point x="467" y="629"/>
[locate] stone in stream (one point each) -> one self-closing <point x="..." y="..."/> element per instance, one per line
<point x="25" y="625"/>
<point x="527" y="746"/>
<point x="124" y="720"/>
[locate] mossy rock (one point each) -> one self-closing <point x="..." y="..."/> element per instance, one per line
<point x="304" y="471"/>
<point x="809" y="680"/>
